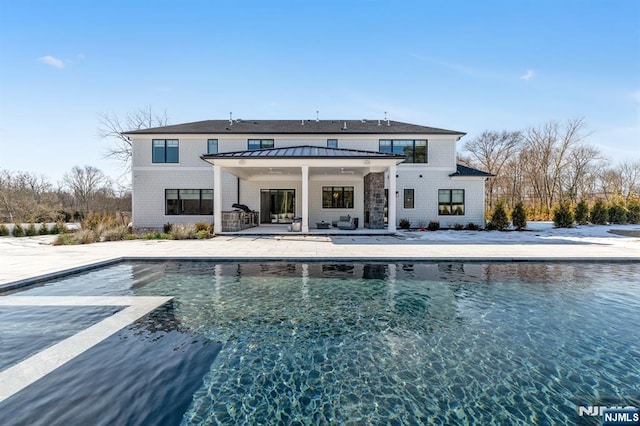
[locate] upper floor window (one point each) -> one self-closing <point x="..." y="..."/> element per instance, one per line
<point x="332" y="143"/>
<point x="254" y="144"/>
<point x="415" y="150"/>
<point x="165" y="151"/>
<point x="451" y="202"/>
<point x="337" y="197"/>
<point x="212" y="146"/>
<point x="408" y="199"/>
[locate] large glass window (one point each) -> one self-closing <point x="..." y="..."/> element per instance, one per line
<point x="408" y="199"/>
<point x="415" y="150"/>
<point x="189" y="201"/>
<point x="332" y="143"/>
<point x="337" y="197"/>
<point x="212" y="146"/>
<point x="451" y="202"/>
<point x="254" y="144"/>
<point x="165" y="150"/>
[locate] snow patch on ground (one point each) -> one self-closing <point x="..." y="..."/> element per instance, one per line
<point x="535" y="233"/>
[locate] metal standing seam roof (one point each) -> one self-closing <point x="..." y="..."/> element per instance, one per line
<point x="305" y="151"/>
<point x="468" y="171"/>
<point x="333" y="127"/>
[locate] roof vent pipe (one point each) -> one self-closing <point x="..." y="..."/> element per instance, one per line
<point x="302" y="123"/>
<point x="231" y="119"/>
<point x="345" y="126"/>
<point x="378" y="122"/>
<point x="317" y="116"/>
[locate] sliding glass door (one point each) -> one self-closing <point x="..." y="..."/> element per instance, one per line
<point x="277" y="205"/>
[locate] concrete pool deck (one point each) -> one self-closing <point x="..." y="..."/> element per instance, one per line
<point x="29" y="258"/>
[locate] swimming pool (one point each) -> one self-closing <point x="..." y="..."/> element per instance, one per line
<point x="322" y="343"/>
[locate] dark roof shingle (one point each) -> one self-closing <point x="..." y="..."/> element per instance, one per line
<point x="468" y="171"/>
<point x="295" y="127"/>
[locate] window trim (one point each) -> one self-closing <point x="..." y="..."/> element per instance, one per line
<point x="333" y="189"/>
<point x="164" y="148"/>
<point x="200" y="200"/>
<point x="261" y="142"/>
<point x="209" y="142"/>
<point x="412" y="198"/>
<point x="450" y="204"/>
<point x="408" y="160"/>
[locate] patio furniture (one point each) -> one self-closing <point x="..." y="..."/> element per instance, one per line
<point x="346" y="218"/>
<point x="349" y="223"/>
<point x="322" y="225"/>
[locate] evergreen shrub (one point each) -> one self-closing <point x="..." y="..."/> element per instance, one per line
<point x="599" y="213"/>
<point x="582" y="213"/>
<point x="563" y="216"/>
<point x="519" y="217"/>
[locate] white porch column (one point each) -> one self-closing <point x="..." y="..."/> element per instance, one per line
<point x="305" y="199"/>
<point x="217" y="199"/>
<point x="391" y="200"/>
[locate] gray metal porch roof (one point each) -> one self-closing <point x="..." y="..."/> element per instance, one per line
<point x="304" y="151"/>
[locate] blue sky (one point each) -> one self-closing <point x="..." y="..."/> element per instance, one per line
<point x="467" y="66"/>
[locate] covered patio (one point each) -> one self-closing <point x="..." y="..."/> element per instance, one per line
<point x="307" y="165"/>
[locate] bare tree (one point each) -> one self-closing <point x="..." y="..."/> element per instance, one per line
<point x="112" y="127"/>
<point x="547" y="149"/>
<point x="21" y="193"/>
<point x="85" y="184"/>
<point x="491" y="151"/>
<point x="630" y="177"/>
<point x="622" y="180"/>
<point x="579" y="177"/>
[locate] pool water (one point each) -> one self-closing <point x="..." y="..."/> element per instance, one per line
<point x="318" y="343"/>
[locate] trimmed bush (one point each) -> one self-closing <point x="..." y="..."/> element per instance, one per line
<point x="563" y="216"/>
<point x="519" y="217"/>
<point x="618" y="214"/>
<point x="166" y="228"/>
<point x="458" y="227"/>
<point x="582" y="213"/>
<point x="59" y="228"/>
<point x="472" y="227"/>
<point x="4" y="231"/>
<point x="633" y="211"/>
<point x="44" y="229"/>
<point x="599" y="213"/>
<point x="433" y="225"/>
<point x="18" y="230"/>
<point x="31" y="230"/>
<point x="404" y="223"/>
<point x="499" y="220"/>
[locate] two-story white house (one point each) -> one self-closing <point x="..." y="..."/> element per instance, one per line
<point x="376" y="172"/>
